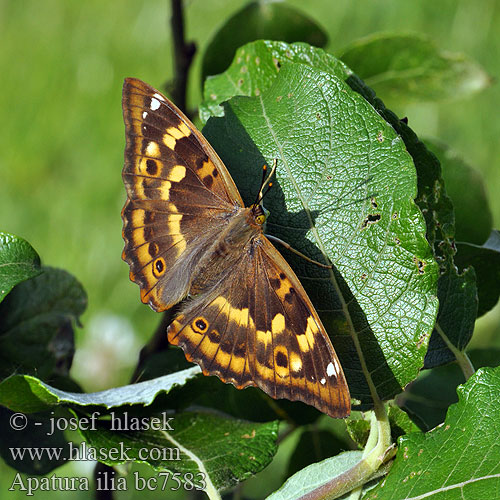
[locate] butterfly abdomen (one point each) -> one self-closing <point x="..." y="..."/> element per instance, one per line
<point x="226" y="252"/>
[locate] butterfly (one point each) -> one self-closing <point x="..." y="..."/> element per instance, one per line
<point x="187" y="233"/>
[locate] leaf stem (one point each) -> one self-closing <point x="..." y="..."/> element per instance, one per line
<point x="463" y="360"/>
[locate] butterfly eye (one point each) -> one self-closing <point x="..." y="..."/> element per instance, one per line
<point x="260" y="219"/>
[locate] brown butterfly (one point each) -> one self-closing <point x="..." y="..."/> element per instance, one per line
<point x="187" y="233"/>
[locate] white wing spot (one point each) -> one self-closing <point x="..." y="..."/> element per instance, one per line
<point x="323" y="381"/>
<point x="155" y="104"/>
<point x="330" y="369"/>
<point x="144" y="114"/>
<point x="159" y="96"/>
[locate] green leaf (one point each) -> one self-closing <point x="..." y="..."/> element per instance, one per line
<point x="218" y="451"/>
<point x="486" y="262"/>
<point x="18" y="262"/>
<point x="27" y="394"/>
<point x="465" y="187"/>
<point x="259" y="19"/>
<point x="36" y="332"/>
<point x="344" y="193"/>
<point x="410" y="67"/>
<point x="315" y="475"/>
<point x="458" y="301"/>
<point x="457" y="460"/>
<point x="330" y="478"/>
<point x="400" y="422"/>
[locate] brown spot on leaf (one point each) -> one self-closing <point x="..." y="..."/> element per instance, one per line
<point x="370" y="219"/>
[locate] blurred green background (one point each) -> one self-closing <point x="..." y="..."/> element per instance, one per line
<point x="62" y="136"/>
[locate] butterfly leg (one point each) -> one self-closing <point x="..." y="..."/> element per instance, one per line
<point x="300" y="254"/>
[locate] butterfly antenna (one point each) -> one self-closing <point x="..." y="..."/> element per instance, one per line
<point x="266" y="183"/>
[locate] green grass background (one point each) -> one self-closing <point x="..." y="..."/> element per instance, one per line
<point x="62" y="64"/>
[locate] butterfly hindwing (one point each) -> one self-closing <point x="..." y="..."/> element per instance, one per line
<point x="178" y="195"/>
<point x="310" y="370"/>
<point x="258" y="327"/>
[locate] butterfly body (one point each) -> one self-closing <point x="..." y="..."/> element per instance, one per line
<point x="247" y="318"/>
<point x="238" y="238"/>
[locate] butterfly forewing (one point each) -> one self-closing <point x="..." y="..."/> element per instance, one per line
<point x="177" y="195"/>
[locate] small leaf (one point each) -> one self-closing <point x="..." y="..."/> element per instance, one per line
<point x="410" y="67"/>
<point x="485" y="260"/>
<point x="36" y="333"/>
<point x="27" y="394"/>
<point x="18" y="262"/>
<point x="465" y="187"/>
<point x="358" y="424"/>
<point x="457" y="294"/>
<point x="259" y="19"/>
<point x="401" y="423"/>
<point x="358" y="427"/>
<point x="218" y="451"/>
<point x="330" y="478"/>
<point x="457" y="460"/>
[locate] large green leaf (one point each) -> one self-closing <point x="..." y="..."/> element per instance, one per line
<point x="344" y="193"/>
<point x="218" y="451"/>
<point x="18" y="262"/>
<point x="266" y="19"/>
<point x="486" y="262"/>
<point x="457" y="460"/>
<point x="36" y="332"/>
<point x="410" y="67"/>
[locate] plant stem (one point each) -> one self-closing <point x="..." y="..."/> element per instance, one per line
<point x="463" y="360"/>
<point x="183" y="53"/>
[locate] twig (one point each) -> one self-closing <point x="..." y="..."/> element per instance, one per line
<point x="157" y="343"/>
<point x="183" y="55"/>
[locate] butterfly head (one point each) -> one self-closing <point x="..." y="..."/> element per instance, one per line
<point x="259" y="214"/>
